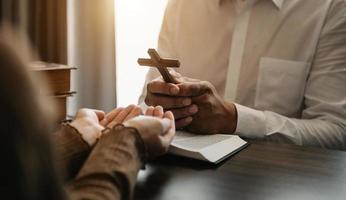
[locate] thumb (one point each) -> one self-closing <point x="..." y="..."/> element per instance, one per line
<point x="169" y="115"/>
<point x="166" y="124"/>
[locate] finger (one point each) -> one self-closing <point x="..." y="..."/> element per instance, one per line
<point x="136" y="111"/>
<point x="168" y="137"/>
<point x="160" y="87"/>
<point x="158" y="112"/>
<point x="166" y="125"/>
<point x="188" y="89"/>
<point x="188" y="111"/>
<point x="100" y="114"/>
<point x="110" y="116"/>
<point x="167" y="102"/>
<point x="119" y="119"/>
<point x="169" y="115"/>
<point x="87" y="112"/>
<point x="149" y="111"/>
<point x="181" y="123"/>
<point x="112" y="124"/>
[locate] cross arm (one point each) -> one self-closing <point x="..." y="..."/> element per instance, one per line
<point x="161" y="64"/>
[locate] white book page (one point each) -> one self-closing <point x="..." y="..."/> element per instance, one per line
<point x="212" y="148"/>
<point x="193" y="142"/>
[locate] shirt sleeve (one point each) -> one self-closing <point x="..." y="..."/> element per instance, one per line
<point x="323" y="121"/>
<point x="111" y="170"/>
<point x="71" y="151"/>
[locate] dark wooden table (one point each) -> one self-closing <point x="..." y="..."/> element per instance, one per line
<point x="261" y="171"/>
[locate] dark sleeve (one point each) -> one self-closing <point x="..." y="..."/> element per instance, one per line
<point x="111" y="170"/>
<point x="71" y="151"/>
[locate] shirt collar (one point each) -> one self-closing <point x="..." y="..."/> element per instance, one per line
<point x="278" y="3"/>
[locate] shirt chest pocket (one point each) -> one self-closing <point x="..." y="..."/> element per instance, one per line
<point x="280" y="86"/>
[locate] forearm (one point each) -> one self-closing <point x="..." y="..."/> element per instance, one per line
<point x="268" y="125"/>
<point x="111" y="169"/>
<point x="71" y="150"/>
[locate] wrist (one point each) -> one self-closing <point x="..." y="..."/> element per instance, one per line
<point x="231" y="119"/>
<point x="140" y="146"/>
<point x="89" y="131"/>
<point x="121" y="130"/>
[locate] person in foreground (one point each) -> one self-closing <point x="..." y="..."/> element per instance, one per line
<point x="263" y="69"/>
<point x="97" y="156"/>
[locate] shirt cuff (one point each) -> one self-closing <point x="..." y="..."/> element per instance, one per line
<point x="143" y="106"/>
<point x="251" y="123"/>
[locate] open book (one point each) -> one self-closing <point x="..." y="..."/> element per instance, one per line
<point x="210" y="148"/>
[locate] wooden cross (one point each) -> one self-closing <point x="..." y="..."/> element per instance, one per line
<point x="160" y="64"/>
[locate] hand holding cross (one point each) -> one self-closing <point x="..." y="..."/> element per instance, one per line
<point x="160" y="64"/>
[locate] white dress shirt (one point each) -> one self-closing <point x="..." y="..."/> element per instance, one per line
<point x="282" y="62"/>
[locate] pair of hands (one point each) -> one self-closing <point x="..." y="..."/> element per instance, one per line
<point x="156" y="128"/>
<point x="195" y="104"/>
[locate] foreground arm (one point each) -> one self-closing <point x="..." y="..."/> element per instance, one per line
<point x="110" y="171"/>
<point x="71" y="150"/>
<point x="73" y="142"/>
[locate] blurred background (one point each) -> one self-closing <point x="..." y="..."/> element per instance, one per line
<point x="101" y="38"/>
<point x="137" y="28"/>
